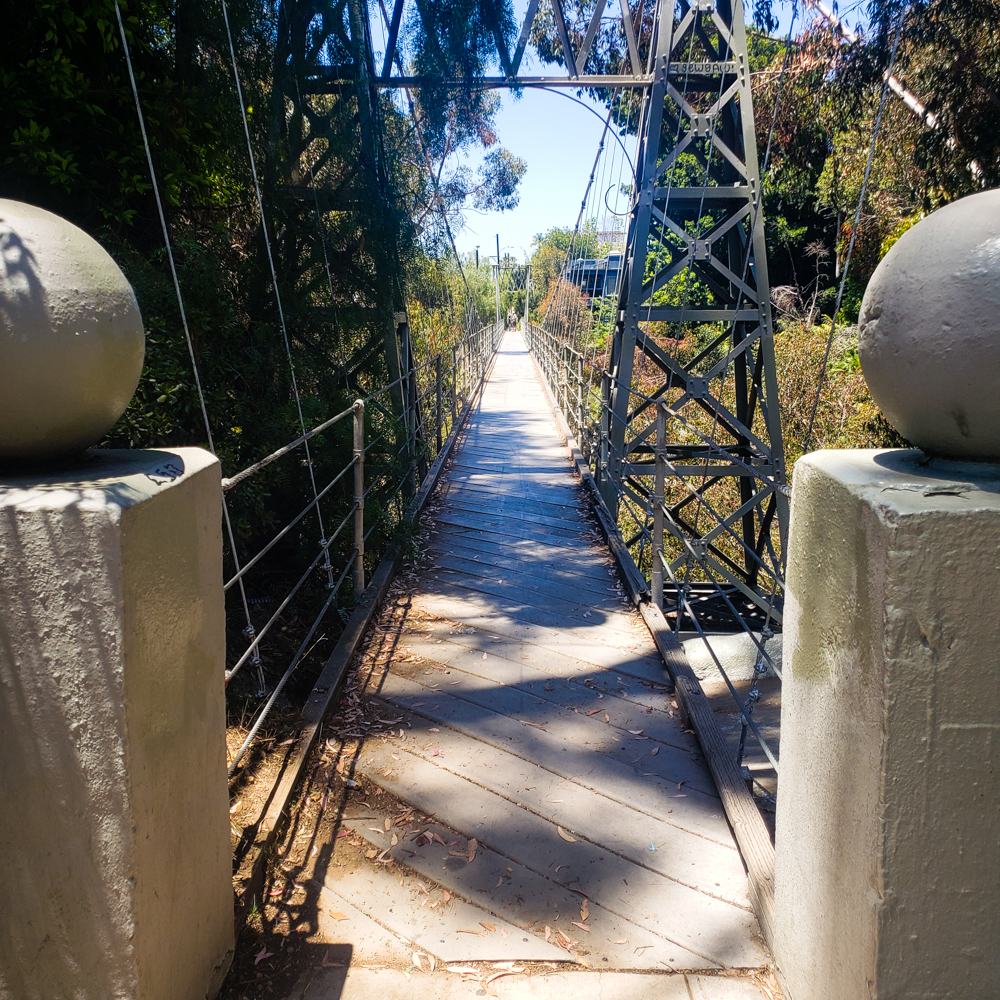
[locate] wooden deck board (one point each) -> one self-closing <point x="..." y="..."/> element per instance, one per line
<point x="520" y="631"/>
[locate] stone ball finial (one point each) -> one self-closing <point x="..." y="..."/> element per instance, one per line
<point x="71" y="337"/>
<point x="929" y="331"/>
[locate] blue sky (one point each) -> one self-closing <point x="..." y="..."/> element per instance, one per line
<point x="558" y="140"/>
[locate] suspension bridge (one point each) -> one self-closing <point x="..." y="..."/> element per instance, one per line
<point x="588" y="504"/>
<point x="547" y="735"/>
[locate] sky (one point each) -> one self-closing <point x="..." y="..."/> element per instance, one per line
<point x="558" y="140"/>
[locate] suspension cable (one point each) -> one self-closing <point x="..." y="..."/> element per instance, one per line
<point x="180" y="305"/>
<point x="274" y="279"/>
<point x="854" y="228"/>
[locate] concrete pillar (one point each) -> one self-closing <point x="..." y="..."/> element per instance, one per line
<point x="887" y="867"/>
<point x="115" y="859"/>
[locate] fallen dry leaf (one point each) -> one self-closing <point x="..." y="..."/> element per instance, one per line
<point x="371" y="854"/>
<point x="492" y="928"/>
<point x="463" y="970"/>
<point x="593" y="711"/>
<point x="655" y="751"/>
<point x="503" y="932"/>
<point x="387" y="824"/>
<point x="337" y="915"/>
<point x="583" y="927"/>
<point x="261" y="955"/>
<point x="235" y="807"/>
<point x="565" y="941"/>
<point x="328" y="964"/>
<point x="548" y="932"/>
<point x="497" y="975"/>
<point x="394" y="841"/>
<point x="623" y="941"/>
<point x="584" y="910"/>
<point x="607" y="718"/>
<point x="473" y="846"/>
<point x="462" y="930"/>
<point x="433" y="961"/>
<point x="565" y="836"/>
<point x="447" y="895"/>
<point x="417" y="960"/>
<point x="636" y="732"/>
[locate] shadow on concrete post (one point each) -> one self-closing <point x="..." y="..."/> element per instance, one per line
<point x="115" y="853"/>
<point x="887" y="868"/>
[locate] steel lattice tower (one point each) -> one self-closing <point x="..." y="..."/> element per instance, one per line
<point x="693" y="325"/>
<point x="697" y="123"/>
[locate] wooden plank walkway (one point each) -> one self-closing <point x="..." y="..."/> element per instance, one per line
<point x="531" y="713"/>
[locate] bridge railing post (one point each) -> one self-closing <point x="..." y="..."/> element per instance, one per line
<point x="659" y="484"/>
<point x="604" y="424"/>
<point x="359" y="499"/>
<point x="438" y="416"/>
<point x="563" y="380"/>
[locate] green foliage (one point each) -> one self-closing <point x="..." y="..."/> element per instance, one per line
<point x="451" y="40"/>
<point x="549" y="255"/>
<point x="341" y="237"/>
<point x="500" y="174"/>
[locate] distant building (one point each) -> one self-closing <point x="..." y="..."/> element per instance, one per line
<point x="595" y="277"/>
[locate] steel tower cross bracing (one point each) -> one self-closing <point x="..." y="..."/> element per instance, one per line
<point x="693" y="325"/>
<point x="696" y="255"/>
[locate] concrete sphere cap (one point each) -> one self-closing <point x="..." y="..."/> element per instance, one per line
<point x="929" y="331"/>
<point x="71" y="337"/>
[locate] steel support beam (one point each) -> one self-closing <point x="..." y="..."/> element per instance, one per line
<point x="695" y="217"/>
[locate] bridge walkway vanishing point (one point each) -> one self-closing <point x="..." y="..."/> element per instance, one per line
<point x="531" y="714"/>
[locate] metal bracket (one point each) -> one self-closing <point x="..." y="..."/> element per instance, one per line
<point x="698" y="388"/>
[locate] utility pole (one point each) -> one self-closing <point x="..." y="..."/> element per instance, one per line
<point x="498" y="279"/>
<point x="527" y="298"/>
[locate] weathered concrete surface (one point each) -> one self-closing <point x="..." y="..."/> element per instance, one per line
<point x="736" y="652"/>
<point x="71" y="339"/>
<point x="888" y="818"/>
<point x="388" y="984"/>
<point x="929" y="331"/>
<point x="114" y="834"/>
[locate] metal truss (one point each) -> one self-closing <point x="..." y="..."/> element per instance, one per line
<point x="635" y="73"/>
<point x="694" y="325"/>
<point x="318" y="40"/>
